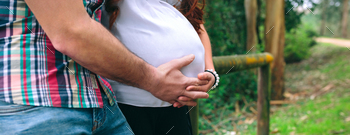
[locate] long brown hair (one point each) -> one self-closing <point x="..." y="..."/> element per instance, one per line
<point x="191" y="9"/>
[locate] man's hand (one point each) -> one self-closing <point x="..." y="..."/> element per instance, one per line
<point x="205" y="77"/>
<point x="171" y="83"/>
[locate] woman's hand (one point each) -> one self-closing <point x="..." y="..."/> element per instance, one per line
<point x="205" y="76"/>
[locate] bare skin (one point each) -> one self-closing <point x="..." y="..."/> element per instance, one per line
<point x="75" y="34"/>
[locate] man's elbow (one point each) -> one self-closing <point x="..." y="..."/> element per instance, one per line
<point x="68" y="40"/>
<point x="60" y="45"/>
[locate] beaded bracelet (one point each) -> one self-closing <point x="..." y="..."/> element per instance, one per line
<point x="216" y="82"/>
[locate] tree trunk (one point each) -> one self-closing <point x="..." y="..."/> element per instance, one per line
<point x="323" y="17"/>
<point x="258" y="22"/>
<point x="344" y="25"/>
<point x="274" y="43"/>
<point x="251" y="12"/>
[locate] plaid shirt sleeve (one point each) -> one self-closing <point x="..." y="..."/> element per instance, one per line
<point x="32" y="72"/>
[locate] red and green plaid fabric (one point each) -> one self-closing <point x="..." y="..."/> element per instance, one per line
<point x="32" y="72"/>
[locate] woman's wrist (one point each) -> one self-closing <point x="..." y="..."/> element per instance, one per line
<point x="216" y="77"/>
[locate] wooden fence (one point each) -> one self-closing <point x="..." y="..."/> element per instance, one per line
<point x="229" y="64"/>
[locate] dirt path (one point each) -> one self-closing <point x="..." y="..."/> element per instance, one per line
<point x="338" y="42"/>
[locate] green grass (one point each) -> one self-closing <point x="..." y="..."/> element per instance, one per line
<point x="339" y="67"/>
<point x="322" y="116"/>
<point x="327" y="113"/>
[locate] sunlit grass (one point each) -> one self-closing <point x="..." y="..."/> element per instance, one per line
<point x="327" y="114"/>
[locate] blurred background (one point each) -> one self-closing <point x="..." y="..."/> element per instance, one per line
<point x="310" y="40"/>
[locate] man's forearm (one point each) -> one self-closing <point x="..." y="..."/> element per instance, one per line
<point x="107" y="56"/>
<point x="114" y="60"/>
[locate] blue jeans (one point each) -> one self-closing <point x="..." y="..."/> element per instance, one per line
<point x="21" y="119"/>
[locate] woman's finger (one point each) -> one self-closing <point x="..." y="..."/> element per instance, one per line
<point x="205" y="76"/>
<point x="187" y="103"/>
<point x="197" y="82"/>
<point x="203" y="88"/>
<point x="176" y="104"/>
<point x="183" y="98"/>
<point x="196" y="94"/>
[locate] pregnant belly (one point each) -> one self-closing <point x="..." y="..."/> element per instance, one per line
<point x="159" y="43"/>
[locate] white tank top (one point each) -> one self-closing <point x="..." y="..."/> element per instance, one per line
<point x="156" y="32"/>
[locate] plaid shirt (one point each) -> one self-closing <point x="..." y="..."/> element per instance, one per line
<point x="32" y="72"/>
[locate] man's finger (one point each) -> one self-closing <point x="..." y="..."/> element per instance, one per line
<point x="184" y="61"/>
<point x="172" y="102"/>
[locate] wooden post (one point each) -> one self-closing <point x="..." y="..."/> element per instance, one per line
<point x="264" y="90"/>
<point x="194" y="113"/>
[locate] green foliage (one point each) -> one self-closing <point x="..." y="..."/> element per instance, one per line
<point x="298" y="39"/>
<point x="233" y="87"/>
<point x="297" y="46"/>
<point x="226" y="26"/>
<point x="292" y="19"/>
<point x="298" y="43"/>
<point x="333" y="16"/>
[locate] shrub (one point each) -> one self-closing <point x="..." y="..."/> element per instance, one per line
<point x="298" y="43"/>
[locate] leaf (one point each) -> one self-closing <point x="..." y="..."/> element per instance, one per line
<point x="347" y="119"/>
<point x="249" y="120"/>
<point x="240" y="122"/>
<point x="303" y="118"/>
<point x="275" y="131"/>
